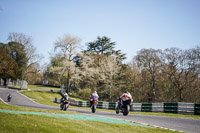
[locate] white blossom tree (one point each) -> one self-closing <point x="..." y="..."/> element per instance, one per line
<point x="67" y="47"/>
<point x="109" y="70"/>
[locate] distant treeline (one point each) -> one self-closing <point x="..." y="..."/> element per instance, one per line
<point x="153" y="75"/>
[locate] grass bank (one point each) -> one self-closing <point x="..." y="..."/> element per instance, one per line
<point x="12" y="123"/>
<point x="42" y="97"/>
<point x="26" y="123"/>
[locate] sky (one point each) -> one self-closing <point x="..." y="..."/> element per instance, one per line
<point x="132" y="24"/>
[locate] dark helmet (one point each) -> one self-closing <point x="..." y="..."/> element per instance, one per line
<point x="126" y="92"/>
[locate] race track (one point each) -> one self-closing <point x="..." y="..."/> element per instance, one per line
<point x="178" y="124"/>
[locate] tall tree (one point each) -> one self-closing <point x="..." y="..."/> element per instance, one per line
<point x="104" y="46"/>
<point x="66" y="47"/>
<point x="16" y="52"/>
<point x="182" y="70"/>
<point x="32" y="57"/>
<point x="109" y="72"/>
<point x="150" y="60"/>
<point x="8" y="66"/>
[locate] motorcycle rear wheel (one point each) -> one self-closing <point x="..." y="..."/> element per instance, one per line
<point x="126" y="110"/>
<point x="93" y="108"/>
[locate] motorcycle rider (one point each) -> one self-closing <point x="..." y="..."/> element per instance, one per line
<point x="64" y="95"/>
<point x="92" y="96"/>
<point x="126" y="94"/>
<point x="9" y="97"/>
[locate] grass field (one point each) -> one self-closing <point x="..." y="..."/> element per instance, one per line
<point x="12" y="123"/>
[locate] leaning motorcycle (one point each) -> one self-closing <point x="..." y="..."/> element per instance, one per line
<point x="94" y="104"/>
<point x="64" y="104"/>
<point x="125" y="106"/>
<point x="9" y="98"/>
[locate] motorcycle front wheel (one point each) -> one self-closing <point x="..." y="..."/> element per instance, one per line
<point x="61" y="106"/>
<point x="117" y="110"/>
<point x="64" y="108"/>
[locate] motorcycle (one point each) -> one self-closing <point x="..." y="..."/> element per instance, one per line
<point x="64" y="104"/>
<point x="94" y="102"/>
<point x="9" y="98"/>
<point x="125" y="106"/>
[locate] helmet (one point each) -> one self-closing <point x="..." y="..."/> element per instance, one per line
<point x="126" y="92"/>
<point x="95" y="92"/>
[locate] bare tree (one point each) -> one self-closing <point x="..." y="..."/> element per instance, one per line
<point x="67" y="46"/>
<point x="182" y="70"/>
<point x="150" y="60"/>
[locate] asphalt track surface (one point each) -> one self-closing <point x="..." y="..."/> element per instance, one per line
<point x="178" y="124"/>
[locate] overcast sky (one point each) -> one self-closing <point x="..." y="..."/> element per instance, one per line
<point x="132" y="24"/>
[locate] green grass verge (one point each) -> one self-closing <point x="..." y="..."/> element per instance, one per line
<point x="12" y="123"/>
<point x="42" y="97"/>
<point x="42" y="87"/>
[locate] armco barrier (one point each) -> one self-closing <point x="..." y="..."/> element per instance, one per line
<point x="112" y="105"/>
<point x="105" y="105"/>
<point x="74" y="103"/>
<point x="180" y="108"/>
<point x="100" y="105"/>
<point x="136" y="107"/>
<point x="197" y="108"/>
<point x="84" y="104"/>
<point x="146" y="107"/>
<point x="186" y="108"/>
<point x="171" y="107"/>
<point x="157" y="107"/>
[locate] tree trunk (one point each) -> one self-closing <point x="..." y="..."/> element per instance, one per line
<point x="68" y="87"/>
<point x="153" y="90"/>
<point x="5" y="82"/>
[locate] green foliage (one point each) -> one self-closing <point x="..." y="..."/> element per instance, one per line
<point x="104" y="46"/>
<point x="17" y="52"/>
<point x="8" y="66"/>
